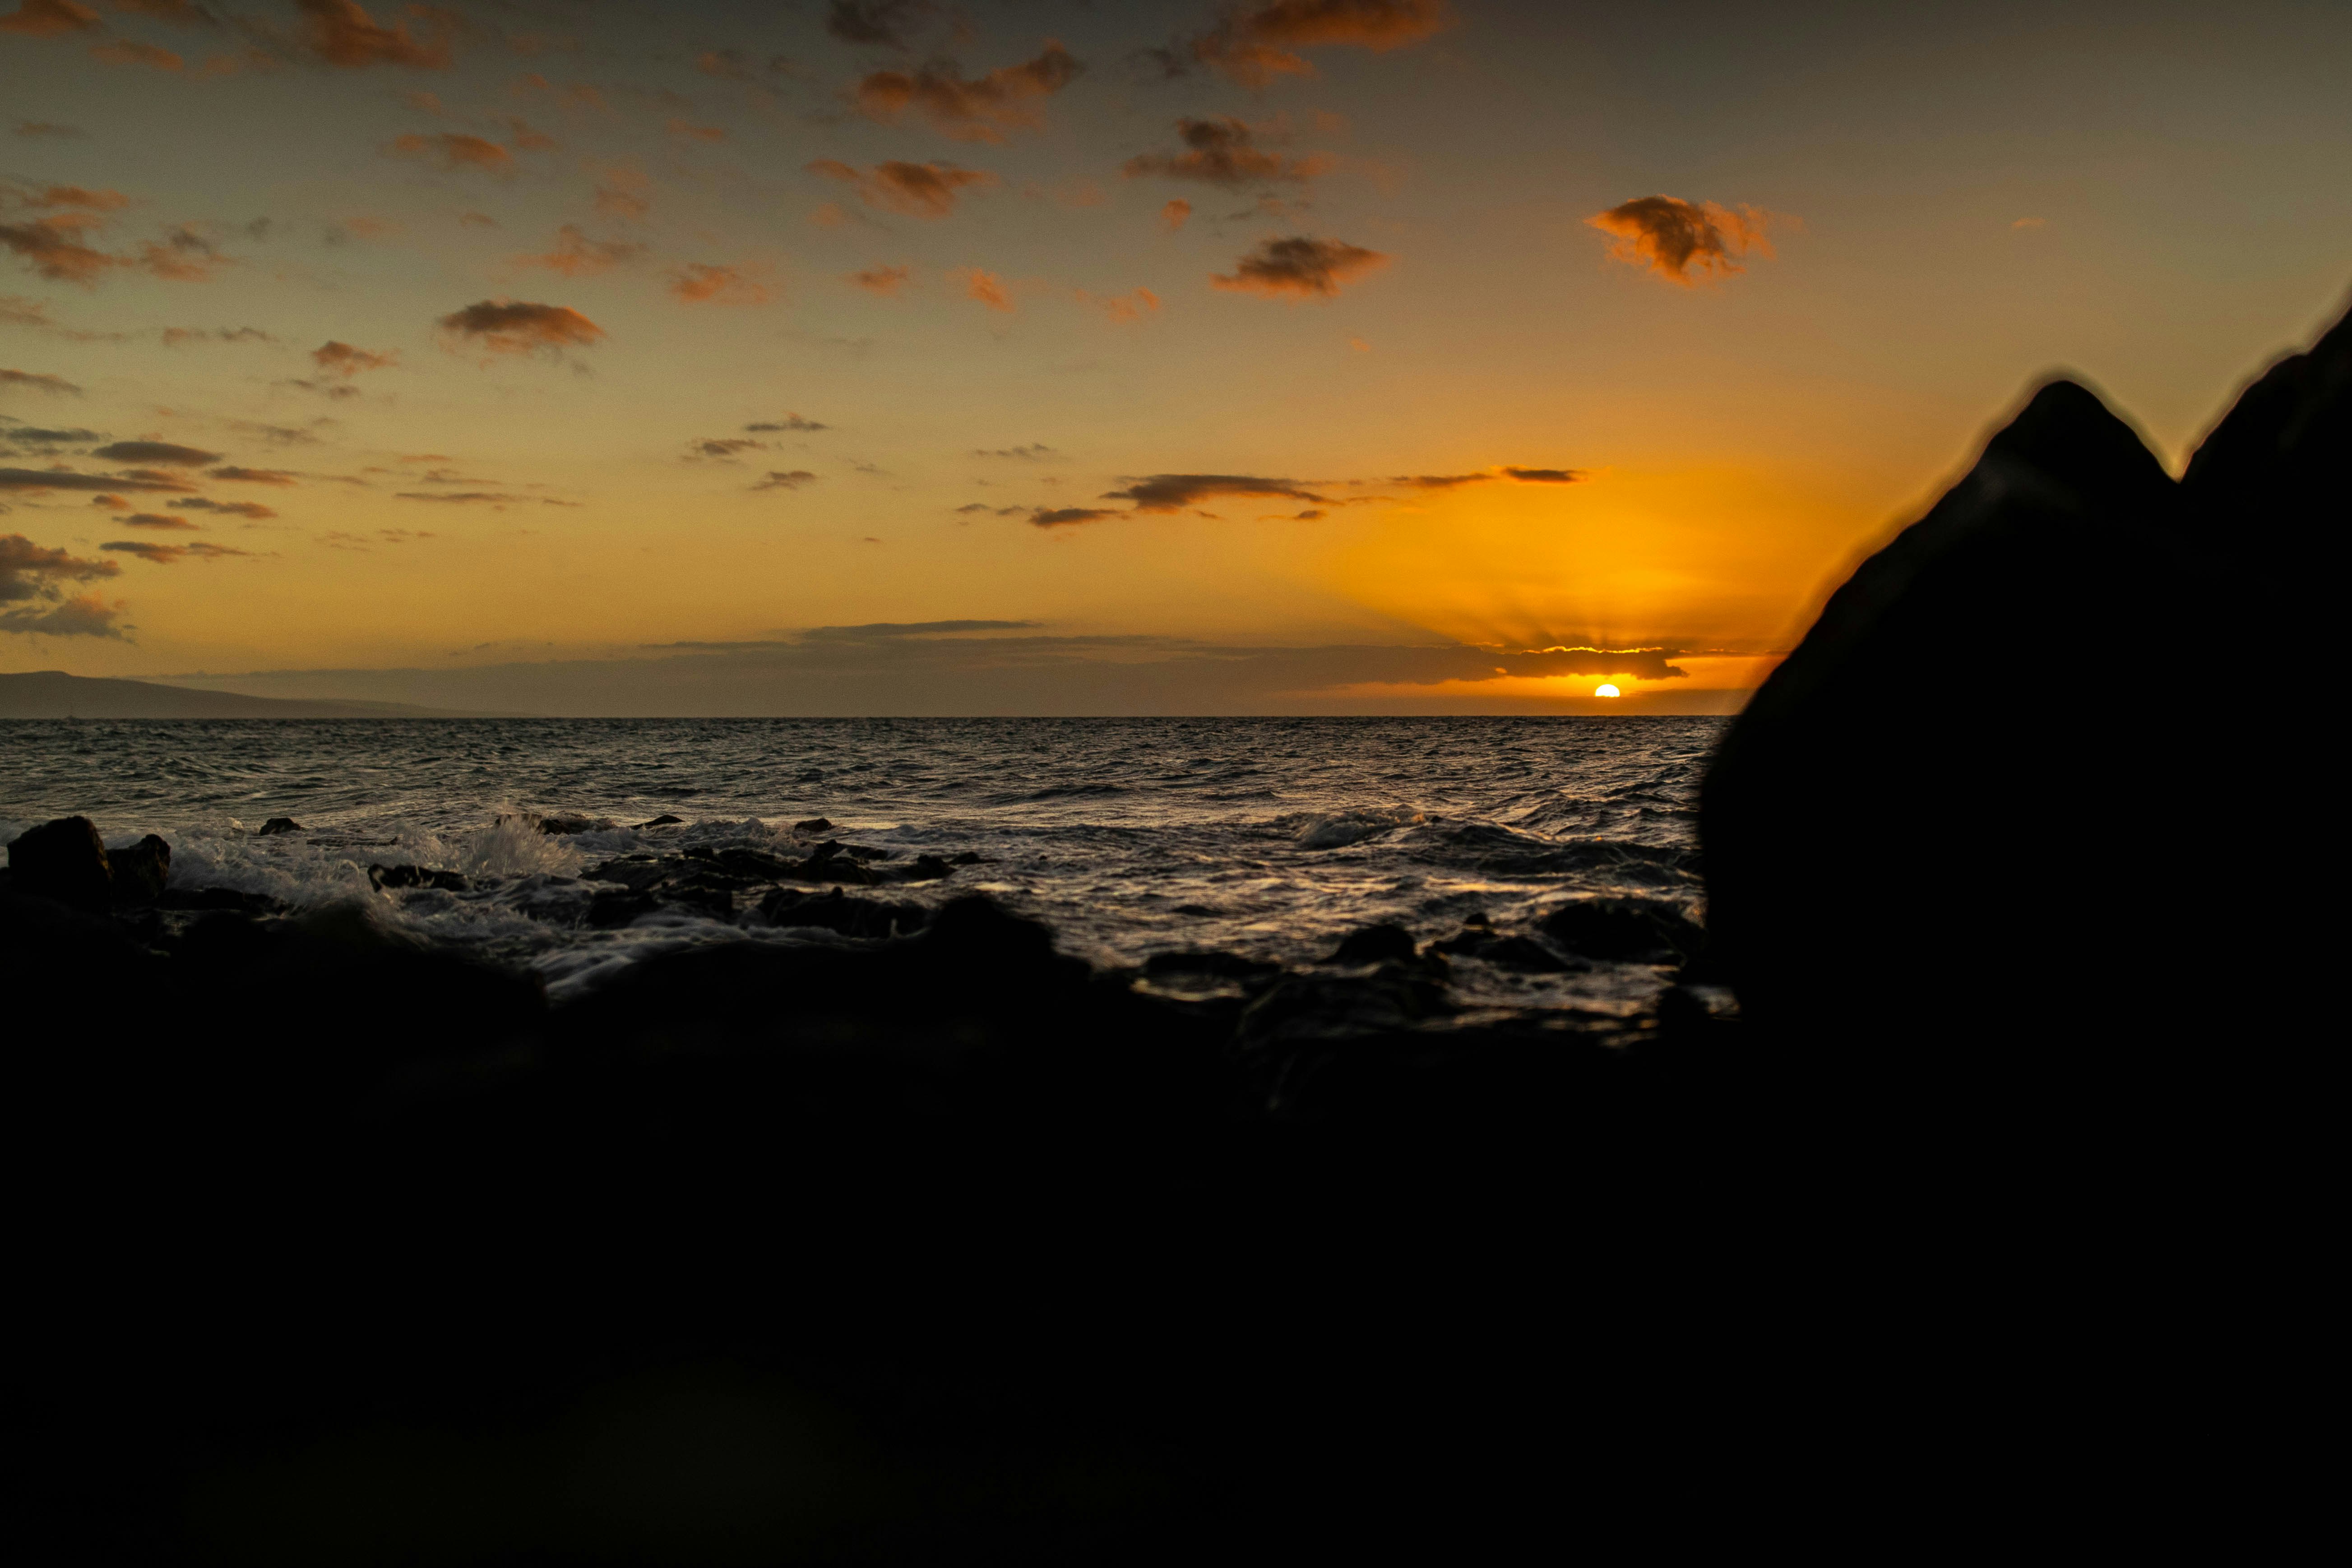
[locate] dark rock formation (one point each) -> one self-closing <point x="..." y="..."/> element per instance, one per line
<point x="664" y="820"/>
<point x="278" y="825"/>
<point x="1627" y="930"/>
<point x="1966" y="807"/>
<point x="813" y="824"/>
<point x="1374" y="944"/>
<point x="140" y="870"/>
<point x="565" y="824"/>
<point x="383" y="877"/>
<point x="65" y="860"/>
<point x="838" y="911"/>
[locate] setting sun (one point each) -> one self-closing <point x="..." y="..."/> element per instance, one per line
<point x="1604" y="689"/>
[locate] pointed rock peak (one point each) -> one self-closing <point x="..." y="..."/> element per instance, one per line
<point x="2068" y="434"/>
<point x="2299" y="404"/>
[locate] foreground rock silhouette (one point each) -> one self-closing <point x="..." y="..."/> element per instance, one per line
<point x="2034" y="676"/>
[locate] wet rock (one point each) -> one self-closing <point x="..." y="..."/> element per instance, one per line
<point x="1870" y="821"/>
<point x="609" y="910"/>
<point x="1374" y="944"/>
<point x="388" y="877"/>
<point x="1227" y="967"/>
<point x="566" y="824"/>
<point x="1515" y="953"/>
<point x="813" y="826"/>
<point x="65" y="860"/>
<point x="752" y="865"/>
<point x="829" y="862"/>
<point x="715" y="903"/>
<point x="968" y="859"/>
<point x="278" y="825"/>
<point x="139" y="871"/>
<point x="927" y="868"/>
<point x="1393" y="998"/>
<point x="635" y="872"/>
<point x="664" y="820"/>
<point x="1626" y="930"/>
<point x="838" y="911"/>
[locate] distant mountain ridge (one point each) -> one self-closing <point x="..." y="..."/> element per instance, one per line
<point x="53" y="694"/>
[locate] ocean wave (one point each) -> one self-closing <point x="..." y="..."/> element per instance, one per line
<point x="1336" y="830"/>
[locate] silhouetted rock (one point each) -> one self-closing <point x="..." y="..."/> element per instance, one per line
<point x="1628" y="931"/>
<point x="838" y="911"/>
<point x="1213" y="966"/>
<point x="392" y="877"/>
<point x="278" y="825"/>
<point x="65" y="860"/>
<point x="566" y="824"/>
<point x="140" y="870"/>
<point x="1374" y="944"/>
<point x="1879" y="824"/>
<point x="636" y="872"/>
<point x="1519" y="953"/>
<point x="608" y="910"/>
<point x="813" y="824"/>
<point x="927" y="868"/>
<point x="664" y="820"/>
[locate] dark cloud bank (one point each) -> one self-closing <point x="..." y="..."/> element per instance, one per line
<point x="983" y="667"/>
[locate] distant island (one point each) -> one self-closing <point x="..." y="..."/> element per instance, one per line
<point x="53" y="694"/>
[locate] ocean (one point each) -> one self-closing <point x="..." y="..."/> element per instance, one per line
<point x="1267" y="838"/>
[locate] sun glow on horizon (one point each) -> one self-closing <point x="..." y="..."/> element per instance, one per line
<point x="1604" y="689"/>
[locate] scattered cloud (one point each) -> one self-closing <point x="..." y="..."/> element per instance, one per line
<point x="182" y="255"/>
<point x="237" y="475"/>
<point x="36" y="481"/>
<point x="113" y="503"/>
<point x="723" y="448"/>
<point x="985" y="286"/>
<point x="1300" y="268"/>
<point x="2030" y="223"/>
<point x="85" y="615"/>
<point x="1172" y="215"/>
<point x="39" y="382"/>
<point x="165" y="554"/>
<point x="979" y="110"/>
<point x="706" y="283"/>
<point x="163" y="452"/>
<point x="777" y="480"/>
<point x="334" y="358"/>
<point x="624" y="191"/>
<point x="1674" y="238"/>
<point x="454" y="150"/>
<point x="919" y="190"/>
<point x="1176" y="492"/>
<point x="1220" y="152"/>
<point x="1254" y="44"/>
<point x="1062" y="517"/>
<point x="1034" y="452"/>
<point x="125" y="52"/>
<point x="789" y="422"/>
<point x="1132" y="305"/>
<point x="180" y="337"/>
<point x="1545" y="476"/>
<point x="872" y="21"/>
<point x="159" y="521"/>
<point x="252" y="510"/>
<point x="182" y="13"/>
<point x="878" y="279"/>
<point x="29" y="570"/>
<point x="464" y="498"/>
<point x="734" y="65"/>
<point x="521" y="326"/>
<point x="686" y="130"/>
<point x="525" y="139"/>
<point x="577" y="256"/>
<point x="342" y="33"/>
<point x="35" y="435"/>
<point x="53" y="248"/>
<point x="50" y="18"/>
<point x="476" y="220"/>
<point x="35" y="197"/>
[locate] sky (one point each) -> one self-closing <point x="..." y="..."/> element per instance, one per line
<point x="885" y="357"/>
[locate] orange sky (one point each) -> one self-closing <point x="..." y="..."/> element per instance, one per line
<point x="463" y="357"/>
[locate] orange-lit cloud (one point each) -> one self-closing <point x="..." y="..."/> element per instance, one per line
<point x="111" y="503"/>
<point x="36" y="481"/>
<point x="789" y="422"/>
<point x="707" y="283"/>
<point x="722" y="449"/>
<point x="1255" y="44"/>
<point x="686" y="130"/>
<point x="981" y="111"/>
<point x="521" y="326"/>
<point x="1220" y="152"/>
<point x="1067" y="516"/>
<point x="1672" y="237"/>
<point x="476" y="220"/>
<point x="156" y="520"/>
<point x="124" y="52"/>
<point x="919" y="190"/>
<point x="40" y="381"/>
<point x="165" y="554"/>
<point x="29" y="570"/>
<point x="1545" y="476"/>
<point x="49" y="18"/>
<point x="454" y="150"/>
<point x="1300" y="267"/>
<point x="184" y="255"/>
<point x="1132" y="305"/>
<point x="61" y="196"/>
<point x="785" y="481"/>
<point x="342" y="359"/>
<point x="342" y="33"/>
<point x="884" y="281"/>
<point x="577" y="256"/>
<point x="185" y="12"/>
<point x="237" y="476"/>
<point x="985" y="286"/>
<point x="1172" y="215"/>
<point x="52" y="248"/>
